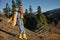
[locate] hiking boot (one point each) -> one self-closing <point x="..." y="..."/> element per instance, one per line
<point x="24" y="36"/>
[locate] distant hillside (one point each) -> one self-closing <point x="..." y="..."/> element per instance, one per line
<point x="54" y="11"/>
<point x="2" y="13"/>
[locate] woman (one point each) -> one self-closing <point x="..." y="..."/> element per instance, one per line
<point x="18" y="17"/>
<point x="20" y="24"/>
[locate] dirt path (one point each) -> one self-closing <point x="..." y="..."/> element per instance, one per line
<point x="9" y="32"/>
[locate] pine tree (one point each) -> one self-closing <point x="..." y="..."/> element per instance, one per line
<point x="26" y="14"/>
<point x="18" y="3"/>
<point x="39" y="10"/>
<point x="7" y="10"/>
<point x="4" y="9"/>
<point x="26" y="11"/>
<point x="13" y="6"/>
<point x="42" y="21"/>
<point x="30" y="9"/>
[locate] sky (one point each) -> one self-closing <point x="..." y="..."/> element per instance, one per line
<point x="45" y="5"/>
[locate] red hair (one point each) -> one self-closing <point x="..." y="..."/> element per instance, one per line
<point x="20" y="10"/>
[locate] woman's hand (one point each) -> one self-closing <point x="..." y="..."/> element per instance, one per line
<point x="22" y="16"/>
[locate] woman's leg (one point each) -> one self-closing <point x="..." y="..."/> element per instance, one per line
<point x="21" y="27"/>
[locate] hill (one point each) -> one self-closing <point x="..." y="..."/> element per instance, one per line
<point x="9" y="32"/>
